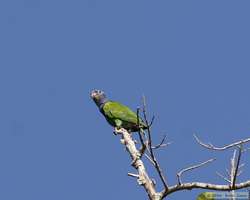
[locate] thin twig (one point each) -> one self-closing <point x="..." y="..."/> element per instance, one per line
<point x="228" y="173"/>
<point x="233" y="174"/>
<point x="233" y="167"/>
<point x="241" y="165"/>
<point x="212" y="147"/>
<point x="152" y="121"/>
<point x="223" y="177"/>
<point x="150" y="159"/>
<point x="237" y="166"/>
<point x="133" y="175"/>
<point x="161" y="144"/>
<point x="143" y="147"/>
<point x="191" y="168"/>
<point x="156" y="164"/>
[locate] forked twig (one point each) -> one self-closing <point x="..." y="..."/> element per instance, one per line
<point x="156" y="164"/>
<point x="191" y="168"/>
<point x="150" y="159"/>
<point x="161" y="144"/>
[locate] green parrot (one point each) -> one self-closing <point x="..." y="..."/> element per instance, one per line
<point x="117" y="115"/>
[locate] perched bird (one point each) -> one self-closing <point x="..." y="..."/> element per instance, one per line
<point x="117" y="115"/>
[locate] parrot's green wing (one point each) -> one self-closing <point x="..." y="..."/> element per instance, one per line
<point x="114" y="111"/>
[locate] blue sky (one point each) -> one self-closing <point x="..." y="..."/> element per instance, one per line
<point x="189" y="58"/>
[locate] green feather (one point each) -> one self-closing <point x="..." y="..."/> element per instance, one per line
<point x="121" y="116"/>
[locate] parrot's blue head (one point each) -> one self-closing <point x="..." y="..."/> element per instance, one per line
<point x="99" y="97"/>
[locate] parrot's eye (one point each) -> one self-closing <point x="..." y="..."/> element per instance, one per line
<point x="97" y="92"/>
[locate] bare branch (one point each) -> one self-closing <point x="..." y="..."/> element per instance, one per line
<point x="237" y="162"/>
<point x="143" y="147"/>
<point x="156" y="164"/>
<point x="133" y="175"/>
<point x="233" y="168"/>
<point x="150" y="159"/>
<point x="223" y="177"/>
<point x="228" y="173"/>
<point x="207" y="186"/>
<point x="212" y="147"/>
<point x="143" y="178"/>
<point x="241" y="165"/>
<point x="152" y="121"/>
<point x="148" y="183"/>
<point x="191" y="168"/>
<point x="146" y="120"/>
<point x="161" y="144"/>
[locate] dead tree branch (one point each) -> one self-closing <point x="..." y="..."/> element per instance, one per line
<point x="149" y="183"/>
<point x="156" y="164"/>
<point x="235" y="165"/>
<point x="200" y="185"/>
<point x="223" y="177"/>
<point x="192" y="168"/>
<point x="142" y="178"/>
<point x="212" y="147"/>
<point x="143" y="144"/>
<point x="161" y="144"/>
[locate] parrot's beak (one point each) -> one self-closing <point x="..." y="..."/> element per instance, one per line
<point x="93" y="93"/>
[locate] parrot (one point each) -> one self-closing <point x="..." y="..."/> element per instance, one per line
<point x="117" y="114"/>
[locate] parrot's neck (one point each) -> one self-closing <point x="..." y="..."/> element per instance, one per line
<point x="101" y="102"/>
